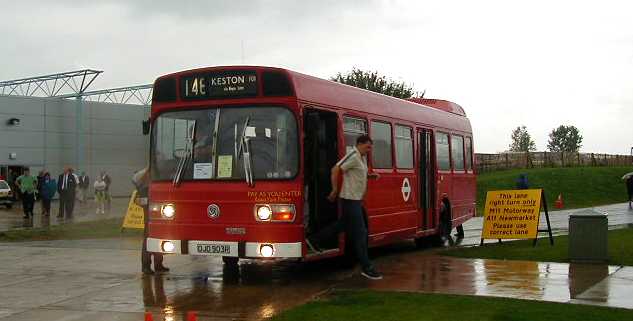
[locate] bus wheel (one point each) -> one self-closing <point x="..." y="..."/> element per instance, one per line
<point x="424" y="242"/>
<point x="230" y="260"/>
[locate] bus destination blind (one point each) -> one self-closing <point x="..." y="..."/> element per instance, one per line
<point x="219" y="84"/>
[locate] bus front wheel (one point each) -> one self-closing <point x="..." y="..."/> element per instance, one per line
<point x="230" y="260"/>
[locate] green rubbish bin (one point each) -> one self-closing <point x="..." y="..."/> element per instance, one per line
<point x="588" y="237"/>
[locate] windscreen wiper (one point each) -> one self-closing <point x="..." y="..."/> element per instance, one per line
<point x="244" y="150"/>
<point x="184" y="160"/>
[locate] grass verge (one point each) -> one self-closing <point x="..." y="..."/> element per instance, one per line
<point x="369" y="305"/>
<point x="620" y="243"/>
<point x="85" y="230"/>
<point x="579" y="186"/>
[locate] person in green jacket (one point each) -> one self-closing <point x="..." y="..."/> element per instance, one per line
<point x="27" y="185"/>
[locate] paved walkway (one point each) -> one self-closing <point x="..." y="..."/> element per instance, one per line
<point x="13" y="218"/>
<point x="618" y="215"/>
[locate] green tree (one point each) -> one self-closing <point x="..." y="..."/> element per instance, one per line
<point x="371" y="80"/>
<point x="565" y="139"/>
<point x="521" y="140"/>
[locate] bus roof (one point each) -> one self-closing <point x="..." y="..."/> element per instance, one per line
<point x="435" y="112"/>
<point x="432" y="112"/>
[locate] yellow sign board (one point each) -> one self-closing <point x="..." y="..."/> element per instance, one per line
<point x="134" y="214"/>
<point x="512" y="214"/>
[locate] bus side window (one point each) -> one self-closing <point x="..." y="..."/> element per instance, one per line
<point x="352" y="128"/>
<point x="442" y="152"/>
<point x="457" y="152"/>
<point x="404" y="147"/>
<point x="469" y="154"/>
<point x="381" y="153"/>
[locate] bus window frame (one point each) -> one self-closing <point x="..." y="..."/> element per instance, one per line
<point x="437" y="162"/>
<point x="413" y="141"/>
<point x="391" y="149"/>
<point x="457" y="171"/>
<point x="342" y="128"/>
<point x="201" y="105"/>
<point x="472" y="155"/>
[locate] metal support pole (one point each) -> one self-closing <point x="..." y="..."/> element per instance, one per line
<point x="79" y="155"/>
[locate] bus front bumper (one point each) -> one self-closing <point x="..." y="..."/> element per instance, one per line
<point x="223" y="248"/>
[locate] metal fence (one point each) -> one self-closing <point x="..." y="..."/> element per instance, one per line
<point x="494" y="162"/>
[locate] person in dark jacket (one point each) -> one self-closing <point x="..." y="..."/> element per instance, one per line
<point x="47" y="192"/>
<point x="141" y="181"/>
<point x="629" y="189"/>
<point x="66" y="185"/>
<point x="40" y="183"/>
<point x="522" y="182"/>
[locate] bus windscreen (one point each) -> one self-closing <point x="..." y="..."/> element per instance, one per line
<point x="217" y="150"/>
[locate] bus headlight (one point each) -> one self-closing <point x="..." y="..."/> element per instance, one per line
<point x="263" y="212"/>
<point x="266" y="250"/>
<point x="168" y="246"/>
<point x="168" y="211"/>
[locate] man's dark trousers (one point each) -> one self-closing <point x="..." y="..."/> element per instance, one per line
<point x="353" y="222"/>
<point x="67" y="203"/>
<point x="28" y="199"/>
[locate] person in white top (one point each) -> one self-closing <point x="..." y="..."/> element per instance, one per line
<point x="353" y="221"/>
<point x="100" y="196"/>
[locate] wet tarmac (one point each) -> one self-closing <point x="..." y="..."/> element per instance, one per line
<point x="99" y="280"/>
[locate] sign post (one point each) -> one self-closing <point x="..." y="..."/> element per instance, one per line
<point x="514" y="214"/>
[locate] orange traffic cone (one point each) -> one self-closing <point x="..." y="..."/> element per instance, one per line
<point x="192" y="316"/>
<point x="559" y="201"/>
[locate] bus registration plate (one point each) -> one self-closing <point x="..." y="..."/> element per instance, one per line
<point x="214" y="248"/>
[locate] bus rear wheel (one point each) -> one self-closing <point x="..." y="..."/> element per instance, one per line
<point x="230" y="260"/>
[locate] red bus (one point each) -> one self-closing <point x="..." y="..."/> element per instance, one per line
<point x="240" y="162"/>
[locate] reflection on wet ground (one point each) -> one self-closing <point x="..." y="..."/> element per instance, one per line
<point x="250" y="291"/>
<point x="99" y="280"/>
<point x="555" y="282"/>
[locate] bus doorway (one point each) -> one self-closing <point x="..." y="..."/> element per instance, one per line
<point x="320" y="155"/>
<point x="427" y="179"/>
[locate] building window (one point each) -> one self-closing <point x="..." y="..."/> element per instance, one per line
<point x="442" y="152"/>
<point x="381" y="154"/>
<point x="404" y="147"/>
<point x="457" y="152"/>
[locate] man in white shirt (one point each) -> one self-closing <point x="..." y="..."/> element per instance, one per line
<point x="353" y="220"/>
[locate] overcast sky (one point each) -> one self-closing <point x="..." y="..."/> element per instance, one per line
<point x="538" y="63"/>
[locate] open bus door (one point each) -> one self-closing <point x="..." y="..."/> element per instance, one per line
<point x="427" y="179"/>
<point x="320" y="150"/>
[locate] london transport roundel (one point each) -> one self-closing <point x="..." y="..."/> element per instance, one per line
<point x="406" y="189"/>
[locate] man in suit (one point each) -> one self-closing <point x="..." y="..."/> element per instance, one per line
<point x="66" y="185"/>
